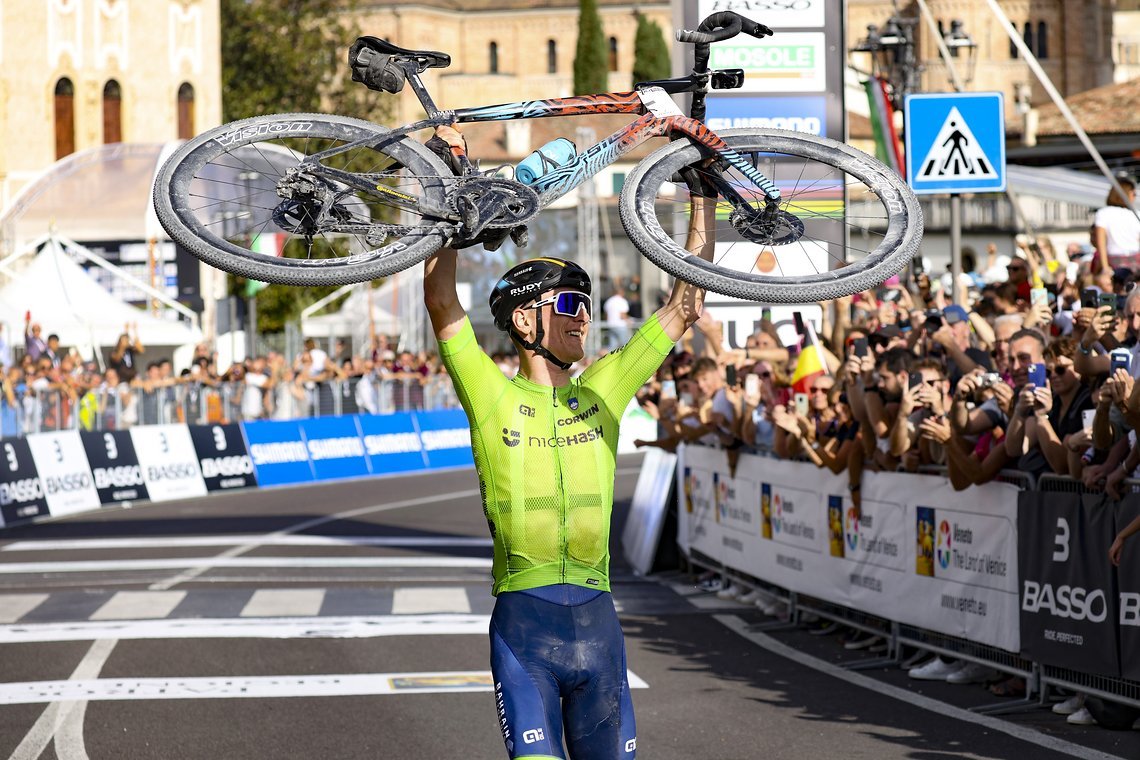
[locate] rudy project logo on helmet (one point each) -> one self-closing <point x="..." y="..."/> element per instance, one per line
<point x="528" y="288"/>
<point x="512" y="437"/>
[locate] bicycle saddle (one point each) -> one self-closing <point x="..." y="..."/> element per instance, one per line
<point x="366" y="47"/>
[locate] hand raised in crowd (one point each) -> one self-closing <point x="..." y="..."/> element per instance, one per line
<point x="943" y="336"/>
<point x="1003" y="394"/>
<point x="1039" y="315"/>
<point x="931" y="398"/>
<point x="968" y="385"/>
<point x="1100" y="325"/>
<point x="1120" y="385"/>
<point x="936" y="429"/>
<point x="1042" y="401"/>
<point x="1082" y="319"/>
<point x="1025" y="401"/>
<point x="910" y="399"/>
<point x="1113" y="481"/>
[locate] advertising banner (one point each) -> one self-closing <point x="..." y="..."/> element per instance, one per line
<point x="793" y="524"/>
<point x="1128" y="578"/>
<point x="64" y="472"/>
<point x="335" y="446"/>
<point x="168" y="461"/>
<point x="647" y="509"/>
<point x="114" y="466"/>
<point x="392" y="442"/>
<point x="1068" y="594"/>
<point x="446" y="438"/>
<point x="223" y="457"/>
<point x="21" y="491"/>
<point x="775" y="15"/>
<point x="798" y="113"/>
<point x="785" y="62"/>
<point x="278" y="451"/>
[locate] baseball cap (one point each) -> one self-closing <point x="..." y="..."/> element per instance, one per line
<point x="954" y="314"/>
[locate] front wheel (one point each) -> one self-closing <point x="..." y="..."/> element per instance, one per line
<point x="845" y="222"/>
<point x="249" y="199"/>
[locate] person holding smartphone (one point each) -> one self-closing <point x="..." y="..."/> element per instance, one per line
<point x="1110" y="328"/>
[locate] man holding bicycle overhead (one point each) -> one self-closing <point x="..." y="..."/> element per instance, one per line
<point x="545" y="446"/>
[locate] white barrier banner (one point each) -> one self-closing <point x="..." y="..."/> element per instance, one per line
<point x="643" y="526"/>
<point x="169" y="462"/>
<point x="64" y="472"/>
<point x="920" y="552"/>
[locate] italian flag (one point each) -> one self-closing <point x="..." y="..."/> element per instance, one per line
<point x="887" y="147"/>
<point x="810" y="363"/>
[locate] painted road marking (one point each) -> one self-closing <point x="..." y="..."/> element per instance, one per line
<point x="284" y="602"/>
<point x="15" y="606"/>
<point x="84" y="544"/>
<point x="416" y="601"/>
<point x="250" y="628"/>
<point x="139" y="605"/>
<point x="258" y="687"/>
<point x="132" y="565"/>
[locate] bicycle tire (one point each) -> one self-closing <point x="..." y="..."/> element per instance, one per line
<point x="263" y="147"/>
<point x="901" y="218"/>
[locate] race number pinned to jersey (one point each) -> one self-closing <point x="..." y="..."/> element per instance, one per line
<point x="658" y="102"/>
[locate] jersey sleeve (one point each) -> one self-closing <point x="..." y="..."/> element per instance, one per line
<point x="478" y="381"/>
<point x="617" y="376"/>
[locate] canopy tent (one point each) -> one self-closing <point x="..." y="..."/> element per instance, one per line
<point x="354" y="316"/>
<point x="62" y="297"/>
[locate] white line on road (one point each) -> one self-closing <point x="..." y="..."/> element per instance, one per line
<point x="250" y="628"/>
<point x="275" y="602"/>
<point x="1024" y="733"/>
<point x="413" y="601"/>
<point x="206" y="563"/>
<point x="136" y="605"/>
<point x="166" y="542"/>
<point x="15" y="606"/>
<point x="255" y="687"/>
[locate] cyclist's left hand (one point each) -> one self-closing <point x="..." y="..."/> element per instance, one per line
<point x="442" y="143"/>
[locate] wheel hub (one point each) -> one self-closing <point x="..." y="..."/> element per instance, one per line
<point x="767" y="226"/>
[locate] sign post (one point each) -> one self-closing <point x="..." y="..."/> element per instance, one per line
<point x="955" y="143"/>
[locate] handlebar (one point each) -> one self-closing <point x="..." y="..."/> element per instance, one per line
<point x="716" y="28"/>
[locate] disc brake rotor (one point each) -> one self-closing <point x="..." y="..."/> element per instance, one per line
<point x="781" y="229"/>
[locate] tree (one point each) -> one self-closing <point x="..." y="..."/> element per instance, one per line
<point x="651" y="58"/>
<point x="591" y="72"/>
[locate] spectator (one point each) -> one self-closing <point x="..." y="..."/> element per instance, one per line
<point x="258" y="386"/>
<point x="616" y="309"/>
<point x="34" y="344"/>
<point x="124" y="356"/>
<point x="1116" y="231"/>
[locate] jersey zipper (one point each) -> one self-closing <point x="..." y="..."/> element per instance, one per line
<point x="561" y="487"/>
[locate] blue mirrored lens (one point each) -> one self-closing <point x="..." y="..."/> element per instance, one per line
<point x="568" y="304"/>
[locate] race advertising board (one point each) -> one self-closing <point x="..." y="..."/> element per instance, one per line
<point x="335" y="447"/>
<point x="392" y="442"/>
<point x="1068" y="594"/>
<point x="796" y="113"/>
<point x="775" y="14"/>
<point x="278" y="452"/>
<point x="169" y="463"/>
<point x="222" y="455"/>
<point x="1128" y="599"/>
<point x="21" y="492"/>
<point x="64" y="472"/>
<point x="647" y="509"/>
<point x="793" y="524"/>
<point x="114" y="466"/>
<point x="446" y="438"/>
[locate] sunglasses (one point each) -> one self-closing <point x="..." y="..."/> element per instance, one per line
<point x="1059" y="370"/>
<point x="567" y="303"/>
<point x="824" y="391"/>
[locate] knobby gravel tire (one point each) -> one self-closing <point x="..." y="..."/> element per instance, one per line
<point x="176" y="208"/>
<point x="900" y="240"/>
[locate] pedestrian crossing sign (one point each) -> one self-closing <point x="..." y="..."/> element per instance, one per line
<point x="955" y="142"/>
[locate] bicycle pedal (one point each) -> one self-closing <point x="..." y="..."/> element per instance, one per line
<point x="520" y="235"/>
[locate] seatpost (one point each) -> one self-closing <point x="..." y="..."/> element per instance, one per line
<point x="421" y="91"/>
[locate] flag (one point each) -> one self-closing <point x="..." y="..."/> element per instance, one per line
<point x="810" y="364"/>
<point x="887" y="147"/>
<point x="267" y="244"/>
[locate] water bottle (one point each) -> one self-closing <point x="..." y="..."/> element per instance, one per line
<point x="546" y="159"/>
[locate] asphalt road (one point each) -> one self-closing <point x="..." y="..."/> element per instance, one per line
<point x="349" y="621"/>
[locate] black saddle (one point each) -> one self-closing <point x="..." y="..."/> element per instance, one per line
<point x="383" y="66"/>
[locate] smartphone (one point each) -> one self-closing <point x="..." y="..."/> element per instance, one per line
<point x="1039" y="295"/>
<point x="766" y="314"/>
<point x="801" y="402"/>
<point x="687" y="398"/>
<point x="1087" y="417"/>
<point x="799" y="321"/>
<point x="891" y="295"/>
<point x="1119" y="358"/>
<point x="859" y="346"/>
<point x="1037" y="375"/>
<point x="916" y="265"/>
<point x="668" y="389"/>
<point x="752" y="384"/>
<point x="1089" y="298"/>
<point x="730" y="375"/>
<point x="1109" y="300"/>
<point x="914" y="379"/>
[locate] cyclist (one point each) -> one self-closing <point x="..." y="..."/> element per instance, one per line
<point x="545" y="445"/>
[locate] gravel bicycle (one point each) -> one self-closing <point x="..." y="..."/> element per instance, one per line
<point x="310" y="199"/>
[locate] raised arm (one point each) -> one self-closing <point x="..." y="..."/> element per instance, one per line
<point x="440" y="298"/>
<point x="686" y="301"/>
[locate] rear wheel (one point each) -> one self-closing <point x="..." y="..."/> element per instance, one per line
<point x="845" y="222"/>
<point x="241" y="198"/>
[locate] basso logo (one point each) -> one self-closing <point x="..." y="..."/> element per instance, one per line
<point x="176" y="471"/>
<point x="28" y="489"/>
<point x="118" y="477"/>
<point x="1066" y="602"/>
<point x="72" y="481"/>
<point x="227" y="466"/>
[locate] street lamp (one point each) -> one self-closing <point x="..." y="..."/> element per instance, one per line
<point x="892" y="56"/>
<point x="962" y="45"/>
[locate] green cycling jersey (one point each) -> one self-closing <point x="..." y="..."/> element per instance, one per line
<point x="545" y="457"/>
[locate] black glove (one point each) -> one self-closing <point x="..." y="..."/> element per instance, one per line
<point x="439" y="146"/>
<point x="699" y="181"/>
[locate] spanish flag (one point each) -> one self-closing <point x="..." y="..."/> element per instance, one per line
<point x="810" y="363"/>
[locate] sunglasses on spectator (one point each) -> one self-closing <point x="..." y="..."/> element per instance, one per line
<point x="1058" y="370"/>
<point x="567" y="303"/>
<point x="824" y="391"/>
<point x="1016" y="267"/>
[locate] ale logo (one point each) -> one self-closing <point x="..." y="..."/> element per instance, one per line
<point x="851" y="525"/>
<point x="944" y="544"/>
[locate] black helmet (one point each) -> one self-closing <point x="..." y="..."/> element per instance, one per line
<point x="527" y="280"/>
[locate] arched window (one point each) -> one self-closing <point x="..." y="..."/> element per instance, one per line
<point x="185" y="111"/>
<point x="64" y="118"/>
<point x="493" y="57"/>
<point x="1042" y="40"/>
<point x="551" y="57"/>
<point x="1013" y="52"/>
<point x="613" y="54"/>
<point x="112" y="112"/>
<point x="1027" y="35"/>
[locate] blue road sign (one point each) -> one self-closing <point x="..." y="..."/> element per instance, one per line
<point x="955" y="142"/>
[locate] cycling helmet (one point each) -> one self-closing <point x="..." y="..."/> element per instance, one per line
<point x="524" y="283"/>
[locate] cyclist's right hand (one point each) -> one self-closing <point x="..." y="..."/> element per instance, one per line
<point x="445" y="143"/>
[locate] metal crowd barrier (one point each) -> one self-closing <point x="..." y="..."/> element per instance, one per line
<point x="38" y="410"/>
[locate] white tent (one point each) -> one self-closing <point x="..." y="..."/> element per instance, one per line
<point x="68" y="302"/>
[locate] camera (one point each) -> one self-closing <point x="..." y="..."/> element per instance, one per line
<point x="933" y="320"/>
<point x="988" y="380"/>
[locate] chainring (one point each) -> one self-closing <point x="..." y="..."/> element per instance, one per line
<point x="513" y="203"/>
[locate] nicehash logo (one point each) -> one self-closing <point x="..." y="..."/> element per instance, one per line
<point x="512" y="437"/>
